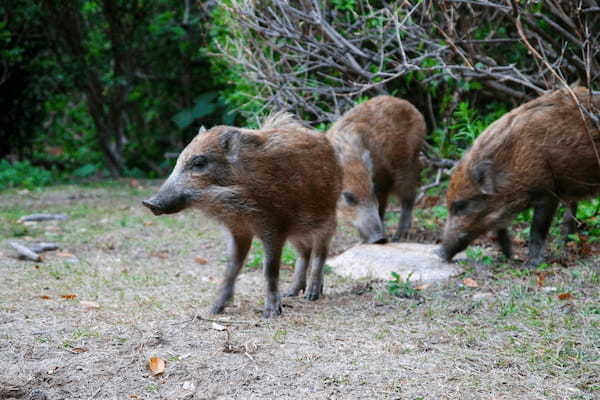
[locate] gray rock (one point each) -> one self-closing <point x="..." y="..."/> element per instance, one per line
<point x="379" y="261"/>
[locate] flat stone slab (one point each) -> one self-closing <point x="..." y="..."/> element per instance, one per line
<point x="379" y="261"/>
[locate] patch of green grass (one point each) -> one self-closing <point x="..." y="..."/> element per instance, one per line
<point x="152" y="388"/>
<point x="478" y="255"/>
<point x="82" y="333"/>
<point x="403" y="288"/>
<point x="280" y="335"/>
<point x="257" y="255"/>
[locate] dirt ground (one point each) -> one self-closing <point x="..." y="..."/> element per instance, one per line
<point x="147" y="282"/>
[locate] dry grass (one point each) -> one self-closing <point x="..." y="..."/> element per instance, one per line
<point x="510" y="338"/>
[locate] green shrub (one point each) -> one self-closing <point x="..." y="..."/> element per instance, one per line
<point x="23" y="174"/>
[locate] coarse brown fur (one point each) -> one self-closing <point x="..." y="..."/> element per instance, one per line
<point x="279" y="182"/>
<point x="378" y="143"/>
<point x="538" y="154"/>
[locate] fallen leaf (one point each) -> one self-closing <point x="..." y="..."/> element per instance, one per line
<point x="429" y="201"/>
<point x="89" y="305"/>
<point x="468" y="282"/>
<point x="201" y="260"/>
<point x="64" y="254"/>
<point x="44" y="297"/>
<point x="157" y="365"/>
<point x="423" y="286"/>
<point x="69" y="296"/>
<point x="565" y="296"/>
<point x="540" y="279"/>
<point x="134" y="183"/>
<point x="160" y="254"/>
<point x="133" y="396"/>
<point x="78" y="350"/>
<point x="218" y="327"/>
<point x="148" y="223"/>
<point x="585" y="249"/>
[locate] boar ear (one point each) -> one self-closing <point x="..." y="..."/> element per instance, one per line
<point x="367" y="160"/>
<point x="202" y="129"/>
<point x="233" y="141"/>
<point x="483" y="176"/>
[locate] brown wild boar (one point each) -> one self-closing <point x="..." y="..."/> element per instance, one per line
<point x="538" y="154"/>
<point x="378" y="143"/>
<point x="279" y="182"/>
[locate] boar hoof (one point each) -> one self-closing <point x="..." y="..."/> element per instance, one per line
<point x="532" y="263"/>
<point x="439" y="251"/>
<point x="272" y="312"/>
<point x="293" y="292"/>
<point x="312" y="296"/>
<point x="217" y="309"/>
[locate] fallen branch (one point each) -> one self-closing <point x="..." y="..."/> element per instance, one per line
<point x="42" y="217"/>
<point x="25" y="253"/>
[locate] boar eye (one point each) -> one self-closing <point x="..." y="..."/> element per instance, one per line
<point x="198" y="162"/>
<point x="459" y="206"/>
<point x="350" y="198"/>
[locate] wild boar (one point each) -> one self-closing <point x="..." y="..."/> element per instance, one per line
<point x="538" y="154"/>
<point x="378" y="143"/>
<point x="276" y="183"/>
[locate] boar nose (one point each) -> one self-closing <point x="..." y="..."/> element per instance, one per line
<point x="151" y="204"/>
<point x="441" y="253"/>
<point x="379" y="239"/>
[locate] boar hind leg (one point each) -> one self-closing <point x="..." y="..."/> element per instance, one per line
<point x="570" y="219"/>
<point x="319" y="255"/>
<point x="407" y="204"/>
<point x="543" y="213"/>
<point x="299" y="278"/>
<point x="504" y="242"/>
<point x="273" y="247"/>
<point x="239" y="246"/>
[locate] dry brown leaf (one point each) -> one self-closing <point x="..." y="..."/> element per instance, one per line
<point x="89" y="305"/>
<point x="157" y="365"/>
<point x="44" y="297"/>
<point x="148" y="223"/>
<point x="78" y="350"/>
<point x="201" y="260"/>
<point x="69" y="296"/>
<point x="134" y="183"/>
<point x="468" y="282"/>
<point x="65" y="254"/>
<point x="540" y="279"/>
<point x="133" y="396"/>
<point x="585" y="249"/>
<point x="160" y="254"/>
<point x="423" y="286"/>
<point x="565" y="296"/>
<point x="218" y="327"/>
<point x="429" y="201"/>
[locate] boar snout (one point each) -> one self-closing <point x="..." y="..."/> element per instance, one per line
<point x="453" y="243"/>
<point x="165" y="205"/>
<point x="371" y="229"/>
<point x="150" y="204"/>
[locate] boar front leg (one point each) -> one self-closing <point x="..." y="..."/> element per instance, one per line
<point x="273" y="247"/>
<point x="239" y="246"/>
<point x="543" y="212"/>
<point x="504" y="242"/>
